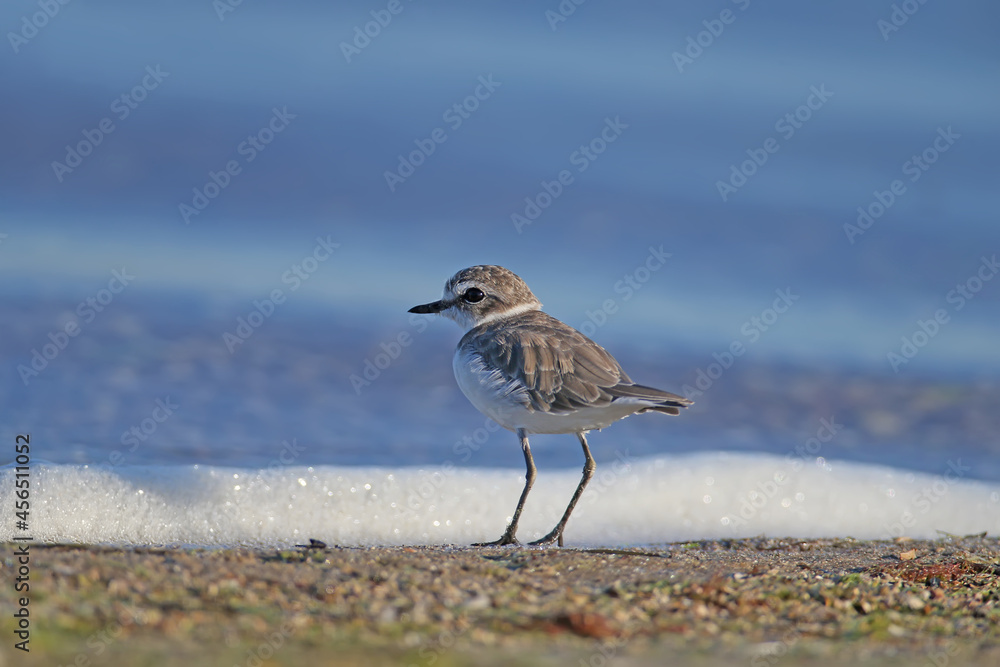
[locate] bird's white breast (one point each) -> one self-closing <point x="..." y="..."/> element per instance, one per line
<point x="486" y="388"/>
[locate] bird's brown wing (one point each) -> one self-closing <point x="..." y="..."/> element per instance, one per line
<point x="559" y="369"/>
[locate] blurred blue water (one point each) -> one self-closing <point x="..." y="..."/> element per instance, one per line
<point x="655" y="186"/>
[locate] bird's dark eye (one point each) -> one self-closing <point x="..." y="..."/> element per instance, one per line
<point x="473" y="295"/>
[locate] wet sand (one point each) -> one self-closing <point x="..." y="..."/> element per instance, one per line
<point x="746" y="602"/>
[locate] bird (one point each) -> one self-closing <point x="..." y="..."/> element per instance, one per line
<point x="532" y="373"/>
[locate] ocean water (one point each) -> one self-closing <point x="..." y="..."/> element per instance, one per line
<point x="204" y="328"/>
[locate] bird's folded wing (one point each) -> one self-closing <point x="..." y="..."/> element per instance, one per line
<point x="558" y="369"/>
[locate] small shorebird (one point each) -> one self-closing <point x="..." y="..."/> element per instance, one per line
<point x="531" y="373"/>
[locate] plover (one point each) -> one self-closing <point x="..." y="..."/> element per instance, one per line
<point x="531" y="373"/>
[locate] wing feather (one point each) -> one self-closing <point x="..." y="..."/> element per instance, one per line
<point x="560" y="369"/>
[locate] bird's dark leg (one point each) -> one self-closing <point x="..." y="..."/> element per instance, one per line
<point x="529" y="480"/>
<point x="588" y="471"/>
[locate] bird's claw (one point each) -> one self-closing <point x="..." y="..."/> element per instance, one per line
<point x="548" y="540"/>
<point x="502" y="542"/>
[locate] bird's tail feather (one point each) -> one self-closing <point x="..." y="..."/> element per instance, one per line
<point x="665" y="401"/>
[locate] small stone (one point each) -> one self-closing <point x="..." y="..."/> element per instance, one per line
<point x="387" y="615"/>
<point x="587" y="624"/>
<point x="479" y="602"/>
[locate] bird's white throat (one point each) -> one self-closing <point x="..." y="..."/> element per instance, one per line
<point x="500" y="314"/>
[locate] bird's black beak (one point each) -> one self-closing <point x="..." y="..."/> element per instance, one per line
<point x="428" y="308"/>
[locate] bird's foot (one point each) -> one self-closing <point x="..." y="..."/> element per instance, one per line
<point x="502" y="542"/>
<point x="551" y="538"/>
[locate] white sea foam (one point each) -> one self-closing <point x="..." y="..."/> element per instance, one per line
<point x="648" y="501"/>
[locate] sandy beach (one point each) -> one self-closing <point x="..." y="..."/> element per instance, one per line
<point x="756" y="602"/>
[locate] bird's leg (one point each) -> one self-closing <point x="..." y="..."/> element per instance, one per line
<point x="588" y="471"/>
<point x="529" y="480"/>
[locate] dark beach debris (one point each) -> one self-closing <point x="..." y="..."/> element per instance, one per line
<point x="313" y="544"/>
